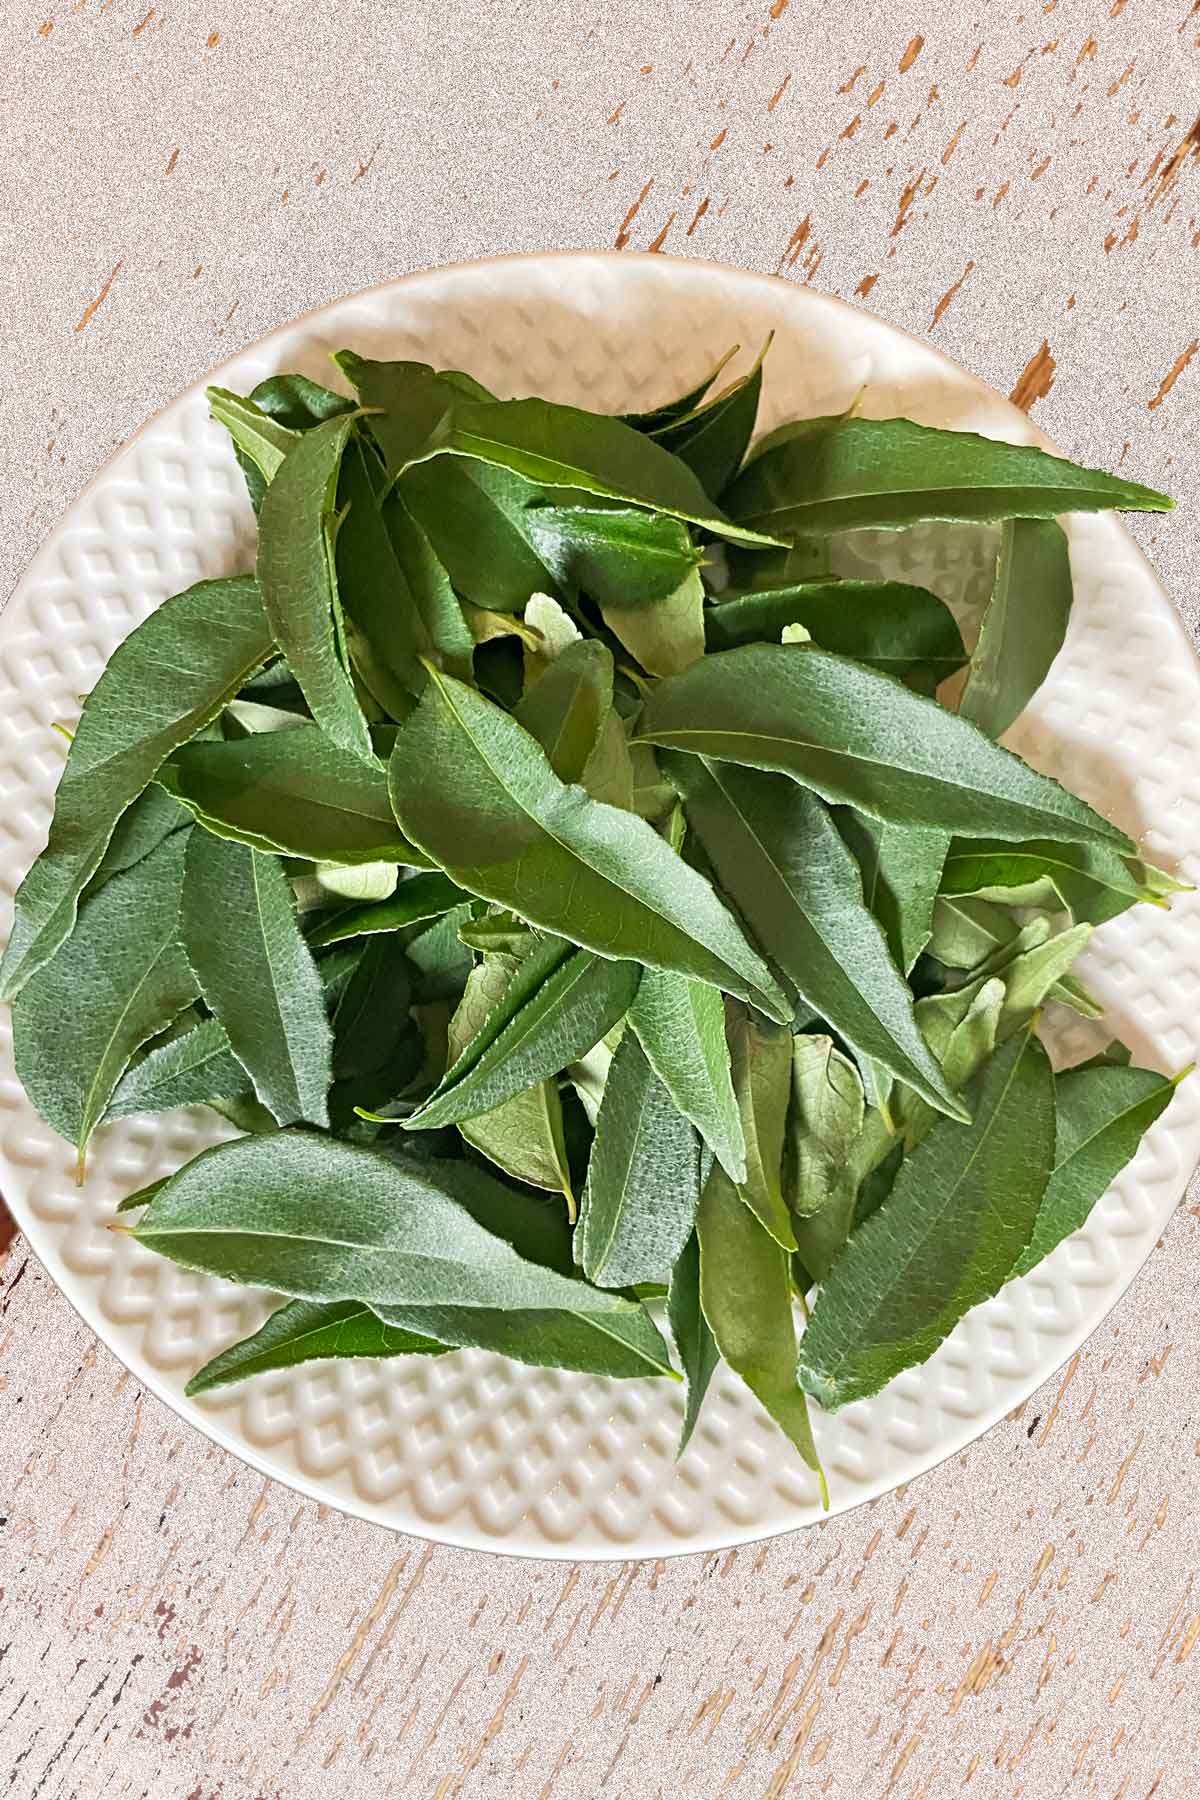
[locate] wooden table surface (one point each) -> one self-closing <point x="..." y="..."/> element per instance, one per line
<point x="1022" y="186"/>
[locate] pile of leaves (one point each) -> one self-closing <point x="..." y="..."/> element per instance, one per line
<point x="578" y="898"/>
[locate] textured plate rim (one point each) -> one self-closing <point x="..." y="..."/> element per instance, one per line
<point x="460" y="1534"/>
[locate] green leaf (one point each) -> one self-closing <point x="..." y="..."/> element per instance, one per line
<point x="778" y="854"/>
<point x="713" y="439"/>
<point x="441" y="961"/>
<point x="643" y="1183"/>
<point x="257" y="974"/>
<point x="310" y="1331"/>
<point x="680" y="1025"/>
<point x="900" y="630"/>
<point x="697" y="1348"/>
<point x="942" y="1243"/>
<point x="619" y="555"/>
<point x="670" y="410"/>
<point x="532" y="1032"/>
<point x="1024" y="626"/>
<point x="664" y="635"/>
<point x="292" y="792"/>
<point x="322" y="1220"/>
<point x="387" y="632"/>
<point x="299" y="589"/>
<point x="421" y="897"/>
<point x="256" y="435"/>
<point x="746" y="1294"/>
<point x="863" y="740"/>
<point x="1093" y="882"/>
<point x="846" y="473"/>
<point x="117" y="981"/>
<point x="966" y="931"/>
<point x="474" y="790"/>
<point x="152" y="817"/>
<point x="1102" y="1114"/>
<point x="189" y="1070"/>
<point x="620" y="1345"/>
<point x="761" y="1067"/>
<point x="296" y="401"/>
<point x="557" y="447"/>
<point x="565" y="707"/>
<point x="369" y="1011"/>
<point x="170" y="677"/>
<point x="525" y="1138"/>
<point x="429" y="586"/>
<point x="901" y="867"/>
<point x="826" y="1117"/>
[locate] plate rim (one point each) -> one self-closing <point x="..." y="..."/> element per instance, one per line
<point x="466" y="1533"/>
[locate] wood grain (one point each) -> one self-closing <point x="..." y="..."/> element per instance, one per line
<point x="1023" y="186"/>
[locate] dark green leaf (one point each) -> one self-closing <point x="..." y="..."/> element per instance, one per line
<point x="293" y="792"/>
<point x="421" y="897"/>
<point x="1102" y="1114"/>
<point x="475" y="791"/>
<point x="680" y="1025"/>
<point x="943" y="1243"/>
<point x="119" y="979"/>
<point x="670" y="410"/>
<point x="299" y="590"/>
<point x="480" y="521"/>
<point x="761" y="1067"/>
<point x="643" y="1183"/>
<point x="257" y="974"/>
<point x="697" y="1349"/>
<point x="430" y="588"/>
<point x="308" y="1331"/>
<point x="620" y="1345"/>
<point x="387" y="632"/>
<point x="565" y="706"/>
<point x="195" y="1067"/>
<point x="441" y="960"/>
<point x="713" y="439"/>
<point x="901" y="867"/>
<point x="1024" y="625"/>
<point x="778" y="854"/>
<point x="557" y="447"/>
<point x="533" y="1032"/>
<point x="1092" y="881"/>
<point x="171" y="676"/>
<point x="619" y="555"/>
<point x="746" y="1294"/>
<point x="296" y="401"/>
<point x="903" y="631"/>
<point x="860" y="738"/>
<point x="369" y="1012"/>
<point x="844" y="473"/>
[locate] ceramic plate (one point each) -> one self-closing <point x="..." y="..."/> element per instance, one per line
<point x="470" y="1449"/>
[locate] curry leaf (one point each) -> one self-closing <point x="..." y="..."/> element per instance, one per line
<point x="620" y="1345"/>
<point x="295" y="792"/>
<point x="257" y="974"/>
<point x="680" y="1025"/>
<point x="388" y="632"/>
<point x="320" y="1220"/>
<point x="900" y="630"/>
<point x="256" y="435"/>
<point x="747" y="1299"/>
<point x="197" y="1066"/>
<point x="556" y="447"/>
<point x="170" y="677"/>
<point x="306" y="1331"/>
<point x="119" y="979"/>
<point x="566" y="706"/>
<point x="670" y="410"/>
<point x="900" y="866"/>
<point x="299" y="589"/>
<point x="697" y="1349"/>
<point x="1102" y="1114"/>
<point x="761" y="1069"/>
<point x="859" y="738"/>
<point x="778" y="854"/>
<point x="822" y="1173"/>
<point x="474" y="790"/>
<point x="643" y="1183"/>
<point x="1093" y="882"/>
<point x="1024" y="626"/>
<point x="426" y="896"/>
<point x="845" y="473"/>
<point x="713" y="438"/>
<point x="664" y="635"/>
<point x="941" y="1244"/>
<point x="619" y="555"/>
<point x="564" y="1016"/>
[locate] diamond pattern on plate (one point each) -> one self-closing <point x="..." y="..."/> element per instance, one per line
<point x="469" y="1448"/>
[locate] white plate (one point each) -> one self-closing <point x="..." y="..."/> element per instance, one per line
<point x="470" y="1449"/>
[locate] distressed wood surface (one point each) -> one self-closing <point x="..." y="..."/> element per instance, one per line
<point x="1023" y="186"/>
